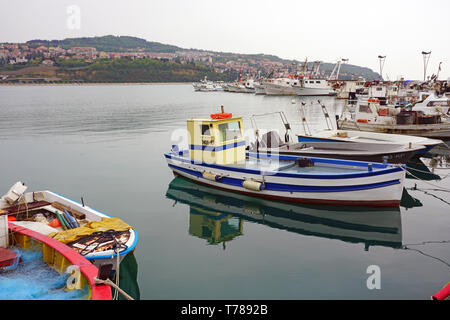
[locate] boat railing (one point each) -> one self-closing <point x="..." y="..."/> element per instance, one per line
<point x="326" y="115"/>
<point x="305" y="125"/>
<point x="283" y="117"/>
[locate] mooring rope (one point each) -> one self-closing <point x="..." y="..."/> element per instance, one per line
<point x="424" y="181"/>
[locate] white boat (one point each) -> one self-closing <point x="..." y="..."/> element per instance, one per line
<point x="206" y="86"/>
<point x="216" y="157"/>
<point x="431" y="103"/>
<point x="96" y="236"/>
<point x="245" y="86"/>
<point x="280" y="86"/>
<point x="313" y="87"/>
<point x="259" y="88"/>
<point x="370" y="116"/>
<point x="354" y="136"/>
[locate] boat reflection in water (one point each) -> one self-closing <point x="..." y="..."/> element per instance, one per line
<point x="217" y="216"/>
<point x="128" y="278"/>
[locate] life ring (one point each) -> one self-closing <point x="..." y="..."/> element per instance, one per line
<point x="221" y="115"/>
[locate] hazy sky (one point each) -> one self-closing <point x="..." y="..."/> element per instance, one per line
<point x="323" y="30"/>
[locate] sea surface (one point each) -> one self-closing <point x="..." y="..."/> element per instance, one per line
<point x="105" y="143"/>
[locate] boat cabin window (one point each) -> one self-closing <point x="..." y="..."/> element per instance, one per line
<point x="317" y="81"/>
<point x="205" y="130"/>
<point x="379" y="89"/>
<point x="364" y="108"/>
<point x="230" y="130"/>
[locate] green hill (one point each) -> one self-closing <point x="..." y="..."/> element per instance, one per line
<point x="107" y="43"/>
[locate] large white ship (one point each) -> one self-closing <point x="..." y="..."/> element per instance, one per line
<point x="281" y="86"/>
<point x="313" y="87"/>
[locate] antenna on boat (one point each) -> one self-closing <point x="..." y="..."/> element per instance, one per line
<point x="426" y="58"/>
<point x="382" y="59"/>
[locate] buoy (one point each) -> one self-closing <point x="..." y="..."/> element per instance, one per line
<point x="293" y="101"/>
<point x="221" y="115"/>
<point x="443" y="293"/>
<point x="210" y="176"/>
<point x="7" y="258"/>
<point x="252" y="185"/>
<point x="55" y="223"/>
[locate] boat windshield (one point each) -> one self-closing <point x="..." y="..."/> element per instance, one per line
<point x="230" y="131"/>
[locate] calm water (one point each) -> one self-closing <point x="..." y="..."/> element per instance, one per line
<point x="106" y="144"/>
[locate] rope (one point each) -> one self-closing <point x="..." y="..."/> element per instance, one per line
<point x="427" y="255"/>
<point x="112" y="284"/>
<point x="431" y="184"/>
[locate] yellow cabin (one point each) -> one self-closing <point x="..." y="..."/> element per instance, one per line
<point x="219" y="140"/>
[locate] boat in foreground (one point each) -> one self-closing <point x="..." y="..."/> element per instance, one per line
<point x="34" y="266"/>
<point x="217" y="158"/>
<point x="96" y="236"/>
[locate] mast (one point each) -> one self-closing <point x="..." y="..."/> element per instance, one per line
<point x="439" y="70"/>
<point x="382" y="59"/>
<point x="426" y="58"/>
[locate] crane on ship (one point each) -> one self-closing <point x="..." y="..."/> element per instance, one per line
<point x="335" y="73"/>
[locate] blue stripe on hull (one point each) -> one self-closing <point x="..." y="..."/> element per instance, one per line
<point x="299" y="175"/>
<point x="217" y="148"/>
<point x="311" y="139"/>
<point x="293" y="188"/>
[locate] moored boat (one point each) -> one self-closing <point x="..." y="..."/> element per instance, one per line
<point x="360" y="151"/>
<point x="217" y="158"/>
<point x="44" y="268"/>
<point x="280" y="86"/>
<point x="353" y="136"/>
<point x="95" y="235"/>
<point x="313" y="87"/>
<point x="370" y="116"/>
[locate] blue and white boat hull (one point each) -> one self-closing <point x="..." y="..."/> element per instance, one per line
<point x="340" y="182"/>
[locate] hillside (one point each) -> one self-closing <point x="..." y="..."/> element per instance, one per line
<point x="130" y="59"/>
<point x="107" y="43"/>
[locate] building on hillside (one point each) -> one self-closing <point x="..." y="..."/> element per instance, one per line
<point x="47" y="62"/>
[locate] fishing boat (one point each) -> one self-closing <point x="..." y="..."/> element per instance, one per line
<point x="370" y="116"/>
<point x="330" y="135"/>
<point x="431" y="103"/>
<point x="281" y="86"/>
<point x="206" y="86"/>
<point x="221" y="213"/>
<point x="98" y="237"/>
<point x="217" y="157"/>
<point x="313" y="87"/>
<point x="259" y="88"/>
<point x="374" y="138"/>
<point x="270" y="142"/>
<point x="34" y="266"/>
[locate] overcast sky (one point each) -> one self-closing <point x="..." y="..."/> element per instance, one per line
<point x="324" y="30"/>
